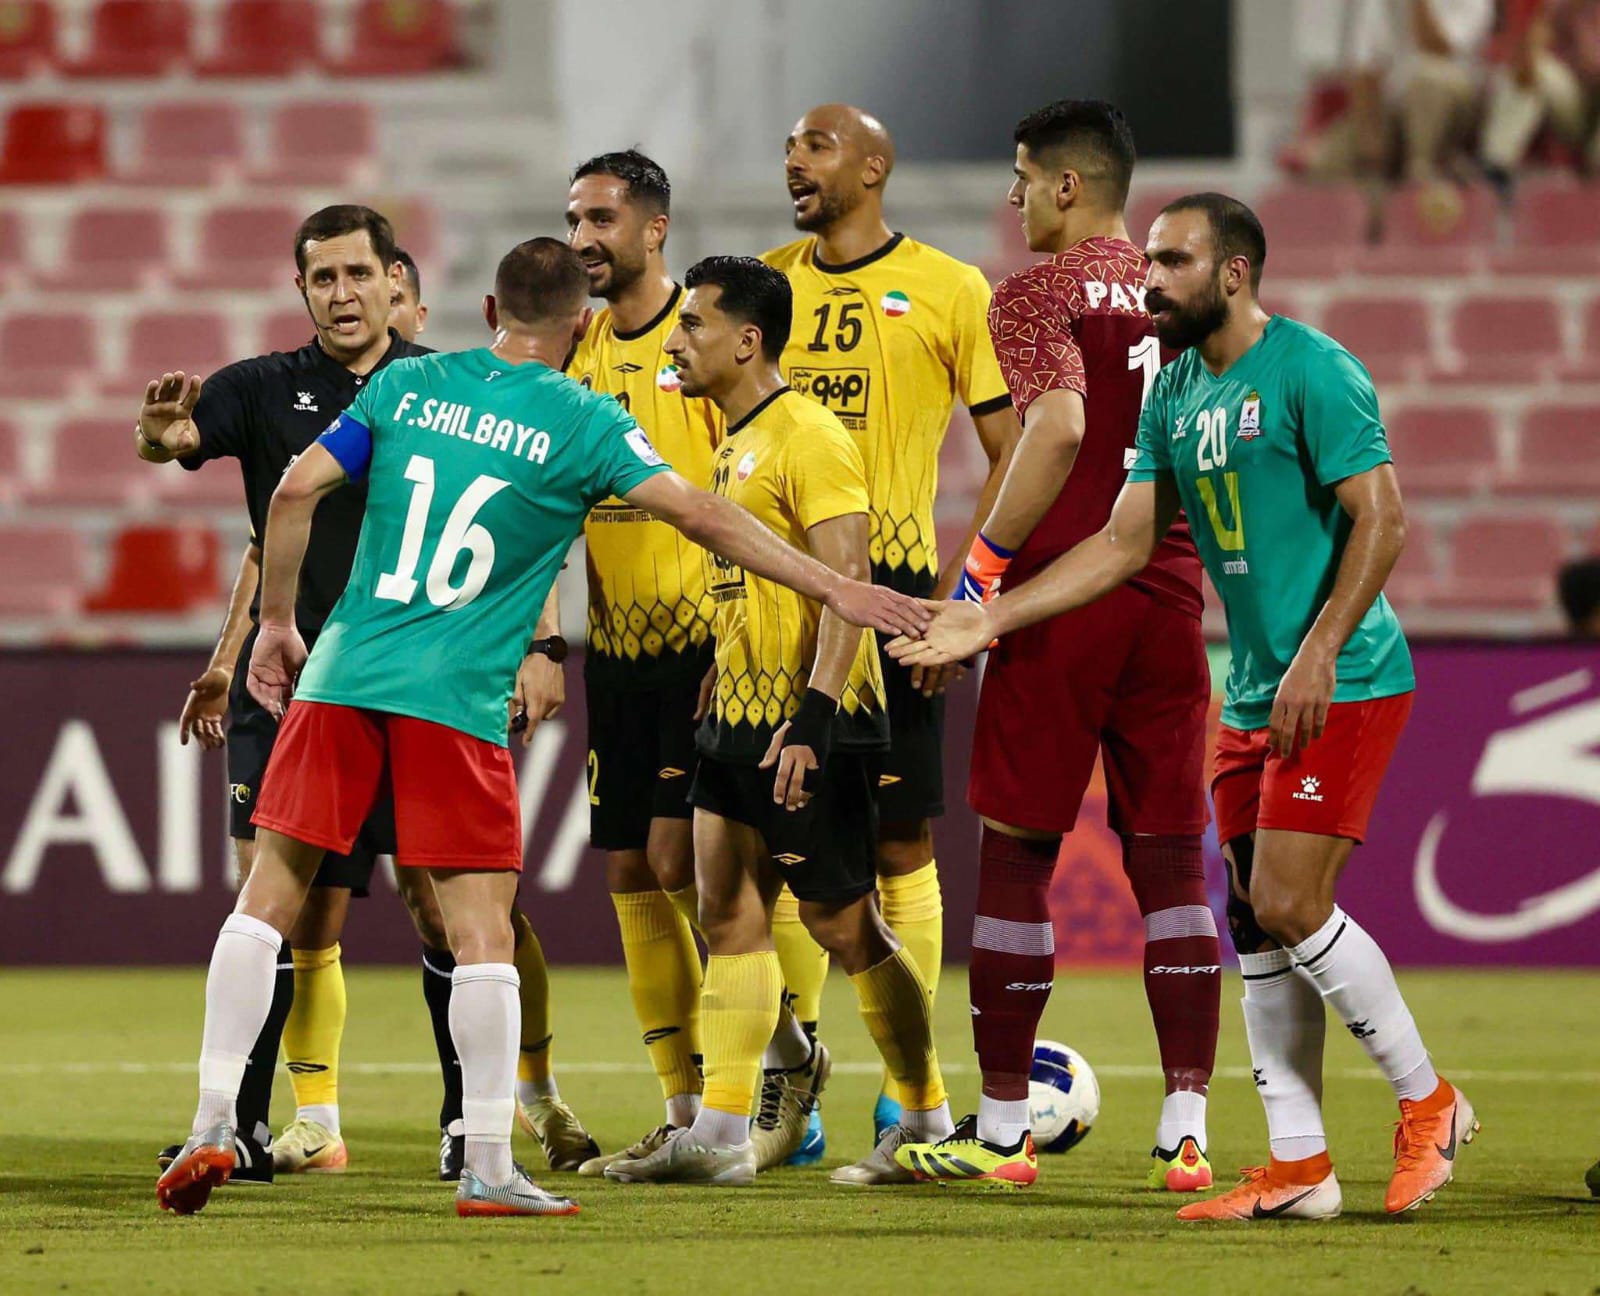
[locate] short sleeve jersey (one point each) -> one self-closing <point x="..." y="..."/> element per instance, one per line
<point x="888" y="343"/>
<point x="1077" y="322"/>
<point x="649" y="613"/>
<point x="793" y="465"/>
<point x="1256" y="454"/>
<point x="264" y="412"/>
<point x="479" y="474"/>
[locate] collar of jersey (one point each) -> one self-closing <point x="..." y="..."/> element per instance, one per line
<point x="877" y="254"/>
<point x="751" y="415"/>
<point x="633" y="335"/>
<point x="396" y="342"/>
<point x="1254" y="347"/>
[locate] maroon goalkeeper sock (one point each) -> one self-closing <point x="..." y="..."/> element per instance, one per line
<point x="1182" y="962"/>
<point x="1013" y="957"/>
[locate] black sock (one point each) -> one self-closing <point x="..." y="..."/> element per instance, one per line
<point x="255" y="1091"/>
<point x="437" y="965"/>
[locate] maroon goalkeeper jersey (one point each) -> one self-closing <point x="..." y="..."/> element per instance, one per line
<point x="1078" y="321"/>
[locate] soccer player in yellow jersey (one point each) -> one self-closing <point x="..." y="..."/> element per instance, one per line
<point x="649" y="635"/>
<point x="888" y="333"/>
<point x="784" y="790"/>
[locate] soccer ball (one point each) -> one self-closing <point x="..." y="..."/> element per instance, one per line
<point x="1063" y="1097"/>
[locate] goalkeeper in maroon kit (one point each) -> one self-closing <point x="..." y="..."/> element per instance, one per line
<point x="1125" y="678"/>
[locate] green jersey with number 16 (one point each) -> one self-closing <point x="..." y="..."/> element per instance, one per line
<point x="480" y="474"/>
<point x="1256" y="453"/>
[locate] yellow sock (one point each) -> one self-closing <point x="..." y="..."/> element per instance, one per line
<point x="894" y="1005"/>
<point x="533" y="1058"/>
<point x="804" y="962"/>
<point x="315" y="1026"/>
<point x="914" y="908"/>
<point x="687" y="902"/>
<point x="739" y="1009"/>
<point x="664" y="981"/>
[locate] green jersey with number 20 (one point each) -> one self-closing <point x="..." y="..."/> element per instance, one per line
<point x="1256" y="453"/>
<point x="479" y="475"/>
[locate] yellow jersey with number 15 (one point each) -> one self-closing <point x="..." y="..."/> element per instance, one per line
<point x="649" y="613"/>
<point x="888" y="343"/>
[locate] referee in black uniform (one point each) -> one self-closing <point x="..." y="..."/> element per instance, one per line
<point x="264" y="412"/>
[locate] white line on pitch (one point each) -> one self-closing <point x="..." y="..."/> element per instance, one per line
<point x="1113" y="1071"/>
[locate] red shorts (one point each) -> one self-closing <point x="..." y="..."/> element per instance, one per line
<point x="1327" y="788"/>
<point x="455" y="796"/>
<point x="1125" y="677"/>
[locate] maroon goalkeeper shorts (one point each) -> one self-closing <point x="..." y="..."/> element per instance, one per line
<point x="455" y="796"/>
<point x="1126" y="676"/>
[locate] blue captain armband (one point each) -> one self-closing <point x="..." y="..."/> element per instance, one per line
<point x="350" y="442"/>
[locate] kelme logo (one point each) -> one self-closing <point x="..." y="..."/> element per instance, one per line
<point x="894" y="304"/>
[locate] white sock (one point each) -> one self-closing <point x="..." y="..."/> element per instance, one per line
<point x="720" y="1129"/>
<point x="1353" y="976"/>
<point x="1001" y="1120"/>
<point x="931" y="1125"/>
<point x="1286" y="1024"/>
<point x="682" y="1109"/>
<point x="529" y="1090"/>
<point x="244" y="966"/>
<point x="1183" y="1115"/>
<point x="790" y="1046"/>
<point x="325" y="1114"/>
<point x="485" y="1024"/>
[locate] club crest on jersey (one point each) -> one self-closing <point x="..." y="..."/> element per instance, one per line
<point x="747" y="465"/>
<point x="894" y="304"/>
<point x="669" y="379"/>
<point x="1250" y="417"/>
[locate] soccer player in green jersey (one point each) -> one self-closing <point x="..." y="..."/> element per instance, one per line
<point x="1266" y="433"/>
<point x="481" y="467"/>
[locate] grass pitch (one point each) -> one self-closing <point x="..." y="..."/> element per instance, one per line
<point x="97" y="1073"/>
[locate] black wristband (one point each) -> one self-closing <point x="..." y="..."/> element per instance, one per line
<point x="812" y="725"/>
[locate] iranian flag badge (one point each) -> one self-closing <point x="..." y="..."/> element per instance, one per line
<point x="668" y="379"/>
<point x="894" y="304"/>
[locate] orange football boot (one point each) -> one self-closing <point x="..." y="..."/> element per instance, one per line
<point x="1427" y="1137"/>
<point x="1279" y="1190"/>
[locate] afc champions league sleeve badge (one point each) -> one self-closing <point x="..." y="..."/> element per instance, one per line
<point x="1250" y="416"/>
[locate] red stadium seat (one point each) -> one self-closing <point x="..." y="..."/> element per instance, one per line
<point x="1502" y="339"/>
<point x="1449" y="449"/>
<point x="1418" y="573"/>
<point x="263" y="38"/>
<point x="244" y="247"/>
<point x="190" y="142"/>
<point x="1503" y="562"/>
<point x="10" y="462"/>
<point x="110" y="249"/>
<point x="47" y="356"/>
<point x="54" y="143"/>
<point x="44" y="569"/>
<point x="135" y="38"/>
<point x="160" y="569"/>
<point x="196" y="342"/>
<point x="1313" y="231"/>
<point x="13" y="243"/>
<point x="1144" y="205"/>
<point x="27" y="38"/>
<point x="1557" y="232"/>
<point x="1390" y="335"/>
<point x="1433" y="229"/>
<point x="322" y="142"/>
<point x="1558" y="452"/>
<point x="400" y="38"/>
<point x="94" y="464"/>
<point x="217" y="485"/>
<point x="287" y="329"/>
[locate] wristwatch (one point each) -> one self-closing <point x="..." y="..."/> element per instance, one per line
<point x="555" y="648"/>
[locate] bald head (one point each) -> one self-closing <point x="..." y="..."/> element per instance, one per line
<point x="838" y="157"/>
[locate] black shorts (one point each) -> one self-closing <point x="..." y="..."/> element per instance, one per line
<point x="827" y="850"/>
<point x="911" y="786"/>
<point x="251" y="734"/>
<point x="641" y="757"/>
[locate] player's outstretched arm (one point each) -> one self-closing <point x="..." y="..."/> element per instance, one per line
<point x="207" y="702"/>
<point x="999" y="434"/>
<point x="1122" y="548"/>
<point x="280" y="652"/>
<point x="1377" y="535"/>
<point x="723" y="527"/>
<point x="1051" y="435"/>
<point x="166" y="428"/>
